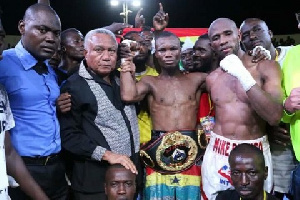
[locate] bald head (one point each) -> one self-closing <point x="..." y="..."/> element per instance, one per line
<point x="66" y="34"/>
<point x="219" y="23"/>
<point x="254" y="20"/>
<point x="31" y="11"/>
<point x="40" y="30"/>
<point x="248" y="149"/>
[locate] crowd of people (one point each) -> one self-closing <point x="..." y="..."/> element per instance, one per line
<point x="91" y="118"/>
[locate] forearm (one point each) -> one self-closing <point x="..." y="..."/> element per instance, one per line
<point x="128" y="87"/>
<point x="266" y="106"/>
<point x="98" y="153"/>
<point x="17" y="169"/>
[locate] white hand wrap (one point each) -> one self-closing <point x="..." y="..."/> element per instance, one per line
<point x="128" y="43"/>
<point x="234" y="66"/>
<point x="262" y="51"/>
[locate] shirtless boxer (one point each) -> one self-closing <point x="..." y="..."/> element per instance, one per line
<point x="246" y="96"/>
<point x="173" y="102"/>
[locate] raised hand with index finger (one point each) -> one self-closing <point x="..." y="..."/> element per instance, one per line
<point x="161" y="19"/>
<point x="139" y="19"/>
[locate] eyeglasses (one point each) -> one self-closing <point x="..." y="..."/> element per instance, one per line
<point x="298" y="17"/>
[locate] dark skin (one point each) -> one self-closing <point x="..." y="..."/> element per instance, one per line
<point x="140" y="59"/>
<point x="255" y="32"/>
<point x="248" y="174"/>
<point x="14" y="163"/>
<point x="63" y="102"/>
<point x="40" y="33"/>
<point x="256" y="107"/>
<point x="139" y="19"/>
<point x="117" y="28"/>
<point x="55" y="59"/>
<point x="17" y="169"/>
<point x="171" y="95"/>
<point x="120" y="184"/>
<point x="186" y="58"/>
<point x="72" y="50"/>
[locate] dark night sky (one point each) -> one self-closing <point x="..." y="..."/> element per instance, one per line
<point x="89" y="14"/>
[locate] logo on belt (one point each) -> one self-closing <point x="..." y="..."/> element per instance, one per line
<point x="176" y="152"/>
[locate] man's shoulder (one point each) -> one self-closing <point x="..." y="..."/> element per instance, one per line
<point x="74" y="83"/>
<point x="265" y="66"/>
<point x="9" y="56"/>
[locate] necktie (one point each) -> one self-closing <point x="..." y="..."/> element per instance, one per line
<point x="40" y="68"/>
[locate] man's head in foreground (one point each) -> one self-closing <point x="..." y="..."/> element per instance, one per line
<point x="119" y="183"/>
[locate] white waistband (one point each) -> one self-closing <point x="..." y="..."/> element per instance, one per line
<point x="263" y="141"/>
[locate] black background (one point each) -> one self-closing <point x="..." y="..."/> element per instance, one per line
<point x="89" y="14"/>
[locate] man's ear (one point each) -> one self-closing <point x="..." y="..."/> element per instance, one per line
<point x="266" y="172"/>
<point x="21" y="27"/>
<point x="239" y="35"/>
<point x="105" y="188"/>
<point x="85" y="52"/>
<point x="63" y="48"/>
<point x="270" y="33"/>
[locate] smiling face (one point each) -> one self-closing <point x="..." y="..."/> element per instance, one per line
<point x="120" y="184"/>
<point x="40" y="32"/>
<point x="248" y="174"/>
<point x="167" y="52"/>
<point x="224" y="37"/>
<point x="101" y="54"/>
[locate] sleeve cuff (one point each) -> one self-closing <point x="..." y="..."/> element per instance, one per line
<point x="98" y="153"/>
<point x="285" y="111"/>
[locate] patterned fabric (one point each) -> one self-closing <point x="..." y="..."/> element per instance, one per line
<point x="114" y="133"/>
<point x="6" y="123"/>
<point x="180" y="186"/>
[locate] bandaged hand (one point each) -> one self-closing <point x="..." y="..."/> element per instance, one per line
<point x="234" y="66"/>
<point x="127" y="65"/>
<point x="260" y="51"/>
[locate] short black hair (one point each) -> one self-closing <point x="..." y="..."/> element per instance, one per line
<point x="165" y="34"/>
<point x="36" y="8"/>
<point x="129" y="34"/>
<point x="203" y="36"/>
<point x="248" y="148"/>
<point x="64" y="34"/>
<point x="114" y="166"/>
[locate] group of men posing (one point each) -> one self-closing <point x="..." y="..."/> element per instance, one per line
<point x="97" y="123"/>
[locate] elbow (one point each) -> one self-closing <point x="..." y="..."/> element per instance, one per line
<point x="126" y="98"/>
<point x="275" y="119"/>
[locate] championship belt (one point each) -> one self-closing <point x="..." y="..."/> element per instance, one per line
<point x="172" y="152"/>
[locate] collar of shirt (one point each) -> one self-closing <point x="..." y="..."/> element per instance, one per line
<point x="27" y="60"/>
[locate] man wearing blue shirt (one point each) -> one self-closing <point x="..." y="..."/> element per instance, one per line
<point x="32" y="90"/>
